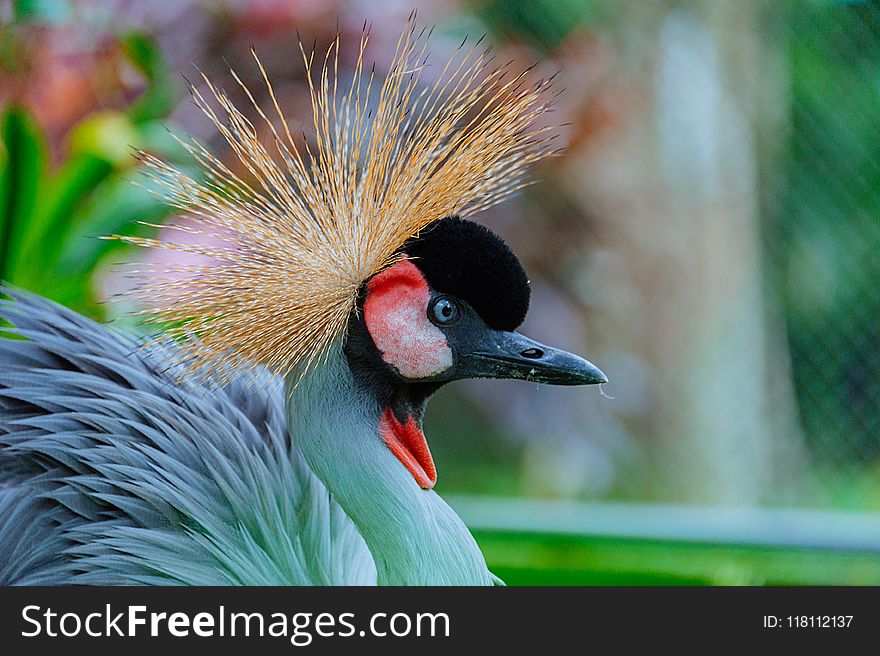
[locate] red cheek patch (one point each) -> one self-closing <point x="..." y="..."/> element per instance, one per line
<point x="395" y="313"/>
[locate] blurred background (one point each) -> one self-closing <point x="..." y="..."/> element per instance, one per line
<point x="710" y="238"/>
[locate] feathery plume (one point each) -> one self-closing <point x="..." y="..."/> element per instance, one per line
<point x="307" y="225"/>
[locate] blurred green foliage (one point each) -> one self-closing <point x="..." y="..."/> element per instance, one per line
<point x="51" y="218"/>
<point x="543" y="24"/>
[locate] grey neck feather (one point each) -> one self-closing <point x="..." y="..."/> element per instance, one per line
<point x="414" y="536"/>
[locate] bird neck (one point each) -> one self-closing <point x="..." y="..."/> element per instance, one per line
<point x="414" y="536"/>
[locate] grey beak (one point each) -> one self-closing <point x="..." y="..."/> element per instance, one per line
<point x="501" y="354"/>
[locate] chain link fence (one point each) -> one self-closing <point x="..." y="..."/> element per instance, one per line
<point x="720" y="211"/>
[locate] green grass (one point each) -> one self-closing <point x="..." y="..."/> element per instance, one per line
<point x="546" y="559"/>
<point x="532" y="542"/>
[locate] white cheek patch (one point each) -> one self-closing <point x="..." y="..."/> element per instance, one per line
<point x="395" y="313"/>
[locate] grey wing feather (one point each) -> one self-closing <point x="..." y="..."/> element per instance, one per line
<point x="114" y="471"/>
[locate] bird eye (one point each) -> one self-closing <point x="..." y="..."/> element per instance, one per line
<point x="444" y="311"/>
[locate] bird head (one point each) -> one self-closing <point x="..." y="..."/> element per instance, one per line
<point x="447" y="309"/>
<point x="338" y="238"/>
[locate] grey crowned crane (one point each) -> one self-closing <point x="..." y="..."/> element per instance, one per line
<point x="274" y="436"/>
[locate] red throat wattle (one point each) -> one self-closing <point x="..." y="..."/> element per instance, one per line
<point x="408" y="444"/>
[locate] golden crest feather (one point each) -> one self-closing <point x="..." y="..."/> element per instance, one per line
<point x="310" y="225"/>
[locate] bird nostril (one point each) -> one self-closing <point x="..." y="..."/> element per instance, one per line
<point x="533" y="353"/>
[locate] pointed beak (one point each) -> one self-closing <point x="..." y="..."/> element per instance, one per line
<point x="500" y="354"/>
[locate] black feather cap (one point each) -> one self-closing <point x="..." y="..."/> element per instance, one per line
<point x="467" y="260"/>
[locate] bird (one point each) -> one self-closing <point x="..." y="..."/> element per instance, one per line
<point x="273" y="434"/>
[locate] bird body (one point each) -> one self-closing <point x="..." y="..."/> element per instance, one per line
<point x="275" y="435"/>
<point x="115" y="472"/>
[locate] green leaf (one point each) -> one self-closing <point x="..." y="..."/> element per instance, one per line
<point x="20" y="185"/>
<point x="99" y="145"/>
<point x="158" y="100"/>
<point x="143" y="51"/>
<point x="115" y="208"/>
<point x="107" y="135"/>
<point x="53" y="223"/>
